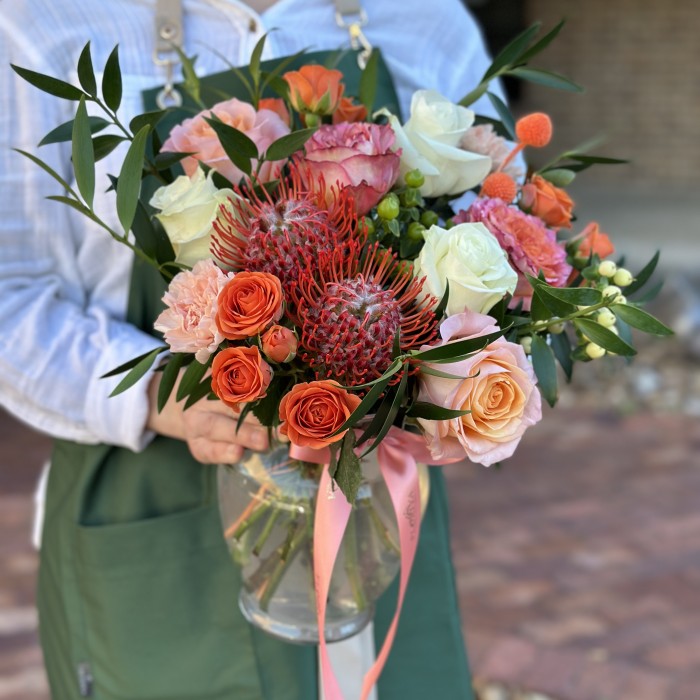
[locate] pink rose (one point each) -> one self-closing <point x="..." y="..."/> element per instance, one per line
<point x="530" y="245"/>
<point x="189" y="322"/>
<point x="501" y="396"/>
<point x="196" y="136"/>
<point x="354" y="156"/>
<point x="484" y="140"/>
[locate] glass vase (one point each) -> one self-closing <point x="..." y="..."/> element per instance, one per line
<point x="267" y="503"/>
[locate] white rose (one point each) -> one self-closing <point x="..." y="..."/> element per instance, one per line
<point x="430" y="142"/>
<point x="188" y="208"/>
<point x="469" y="257"/>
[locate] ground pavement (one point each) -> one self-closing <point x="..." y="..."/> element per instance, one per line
<point x="578" y="562"/>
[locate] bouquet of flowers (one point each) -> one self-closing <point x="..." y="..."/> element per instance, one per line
<point x="321" y="278"/>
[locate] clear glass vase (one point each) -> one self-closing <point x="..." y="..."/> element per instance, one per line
<point x="267" y="504"/>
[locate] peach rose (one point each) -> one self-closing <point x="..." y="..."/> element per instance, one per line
<point x="593" y="241"/>
<point x="240" y="375"/>
<point x="279" y="344"/>
<point x="248" y="304"/>
<point x="196" y="136"/>
<point x="278" y="106"/>
<point x="348" y="111"/>
<point x="314" y="89"/>
<point x="551" y="204"/>
<point x="311" y="412"/>
<point x="499" y="390"/>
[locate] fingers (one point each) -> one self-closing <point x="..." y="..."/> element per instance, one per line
<point x="209" y="452"/>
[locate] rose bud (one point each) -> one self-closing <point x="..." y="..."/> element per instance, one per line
<point x="314" y="89"/>
<point x="279" y="344"/>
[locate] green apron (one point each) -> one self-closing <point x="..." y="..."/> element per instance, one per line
<point x="138" y="595"/>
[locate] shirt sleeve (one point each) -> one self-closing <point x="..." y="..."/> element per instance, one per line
<point x="56" y="338"/>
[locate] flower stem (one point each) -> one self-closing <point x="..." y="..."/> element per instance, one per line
<point x="382" y="529"/>
<point x="351" y="565"/>
<point x="249" y="509"/>
<point x="265" y="534"/>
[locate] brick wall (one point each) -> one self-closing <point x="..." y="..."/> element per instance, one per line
<point x="640" y="63"/>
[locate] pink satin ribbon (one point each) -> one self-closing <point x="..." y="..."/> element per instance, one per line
<point x="398" y="454"/>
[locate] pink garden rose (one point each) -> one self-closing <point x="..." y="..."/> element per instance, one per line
<point x="189" y="322"/>
<point x="501" y="395"/>
<point x="354" y="156"/>
<point x="530" y="245"/>
<point x="196" y="136"/>
<point x="484" y="140"/>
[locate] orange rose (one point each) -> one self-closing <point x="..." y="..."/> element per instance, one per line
<point x="348" y="111"/>
<point x="549" y="203"/>
<point x="313" y="411"/>
<point x="279" y="344"/>
<point x="594" y="241"/>
<point x="248" y="304"/>
<point x="276" y="105"/>
<point x="240" y="375"/>
<point x="314" y="89"/>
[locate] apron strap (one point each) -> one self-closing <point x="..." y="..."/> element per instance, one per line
<point x="350" y="15"/>
<point x="168" y="35"/>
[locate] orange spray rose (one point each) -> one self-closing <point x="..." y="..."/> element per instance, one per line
<point x="240" y="375"/>
<point x="314" y="89"/>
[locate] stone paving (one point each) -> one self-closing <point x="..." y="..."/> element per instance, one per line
<point x="578" y="562"/>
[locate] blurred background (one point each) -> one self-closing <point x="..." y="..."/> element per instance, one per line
<point x="578" y="561"/>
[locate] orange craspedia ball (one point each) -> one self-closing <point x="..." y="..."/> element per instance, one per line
<point x="499" y="186"/>
<point x="534" y="130"/>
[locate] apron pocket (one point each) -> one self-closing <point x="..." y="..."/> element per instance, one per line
<point x="160" y="603"/>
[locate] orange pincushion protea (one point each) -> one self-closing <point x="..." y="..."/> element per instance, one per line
<point x="350" y="306"/>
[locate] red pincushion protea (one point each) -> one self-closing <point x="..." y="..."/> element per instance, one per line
<point x="349" y="306"/>
<point x="260" y="233"/>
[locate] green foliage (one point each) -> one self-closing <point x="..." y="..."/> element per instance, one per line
<point x="112" y="81"/>
<point x="191" y="378"/>
<point x="348" y="470"/>
<point x="137" y="372"/>
<point x="237" y="146"/>
<point x="421" y="409"/>
<point x="64" y="132"/>
<point x="86" y="73"/>
<point x="169" y="377"/>
<point x="288" y="144"/>
<point x="368" y="82"/>
<point x="129" y="183"/>
<point x="604" y="337"/>
<point x="545" y="369"/>
<point x="52" y="86"/>
<point x="83" y="154"/>
<point x="637" y="318"/>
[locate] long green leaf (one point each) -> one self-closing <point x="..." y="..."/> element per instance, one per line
<point x="288" y="144"/>
<point x="83" y="154"/>
<point x="429" y="411"/>
<point x="104" y="144"/>
<point x="365" y="405"/>
<point x="129" y="184"/>
<point x="348" y="471"/>
<point x="132" y="363"/>
<point x="393" y="412"/>
<point x="191" y="84"/>
<point x="70" y="202"/>
<point x="112" y="81"/>
<point x="604" y="337"/>
<point x="511" y="53"/>
<point x="45" y="83"/>
<point x="147" y="118"/>
<point x="64" y="132"/>
<point x="198" y="393"/>
<point x="86" y="73"/>
<point x="368" y="82"/>
<point x="546" y="78"/>
<point x="237" y="146"/>
<point x="543" y="43"/>
<point x="255" y="56"/>
<point x="137" y="372"/>
<point x="637" y="318"/>
<point x="643" y="277"/>
<point x="504" y="113"/>
<point x="191" y="378"/>
<point x="576" y="296"/>
<point x="457" y="349"/>
<point x="561" y="345"/>
<point x="45" y="167"/>
<point x="545" y="369"/>
<point x="168" y="378"/>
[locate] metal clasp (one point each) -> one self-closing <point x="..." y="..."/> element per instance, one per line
<point x="358" y="40"/>
<point x="168" y="36"/>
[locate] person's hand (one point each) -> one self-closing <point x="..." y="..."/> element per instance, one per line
<point x="208" y="427"/>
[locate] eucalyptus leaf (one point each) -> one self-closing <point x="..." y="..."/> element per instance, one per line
<point x="112" y="81"/>
<point x="52" y="86"/>
<point x="83" y="154"/>
<point x="545" y="369"/>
